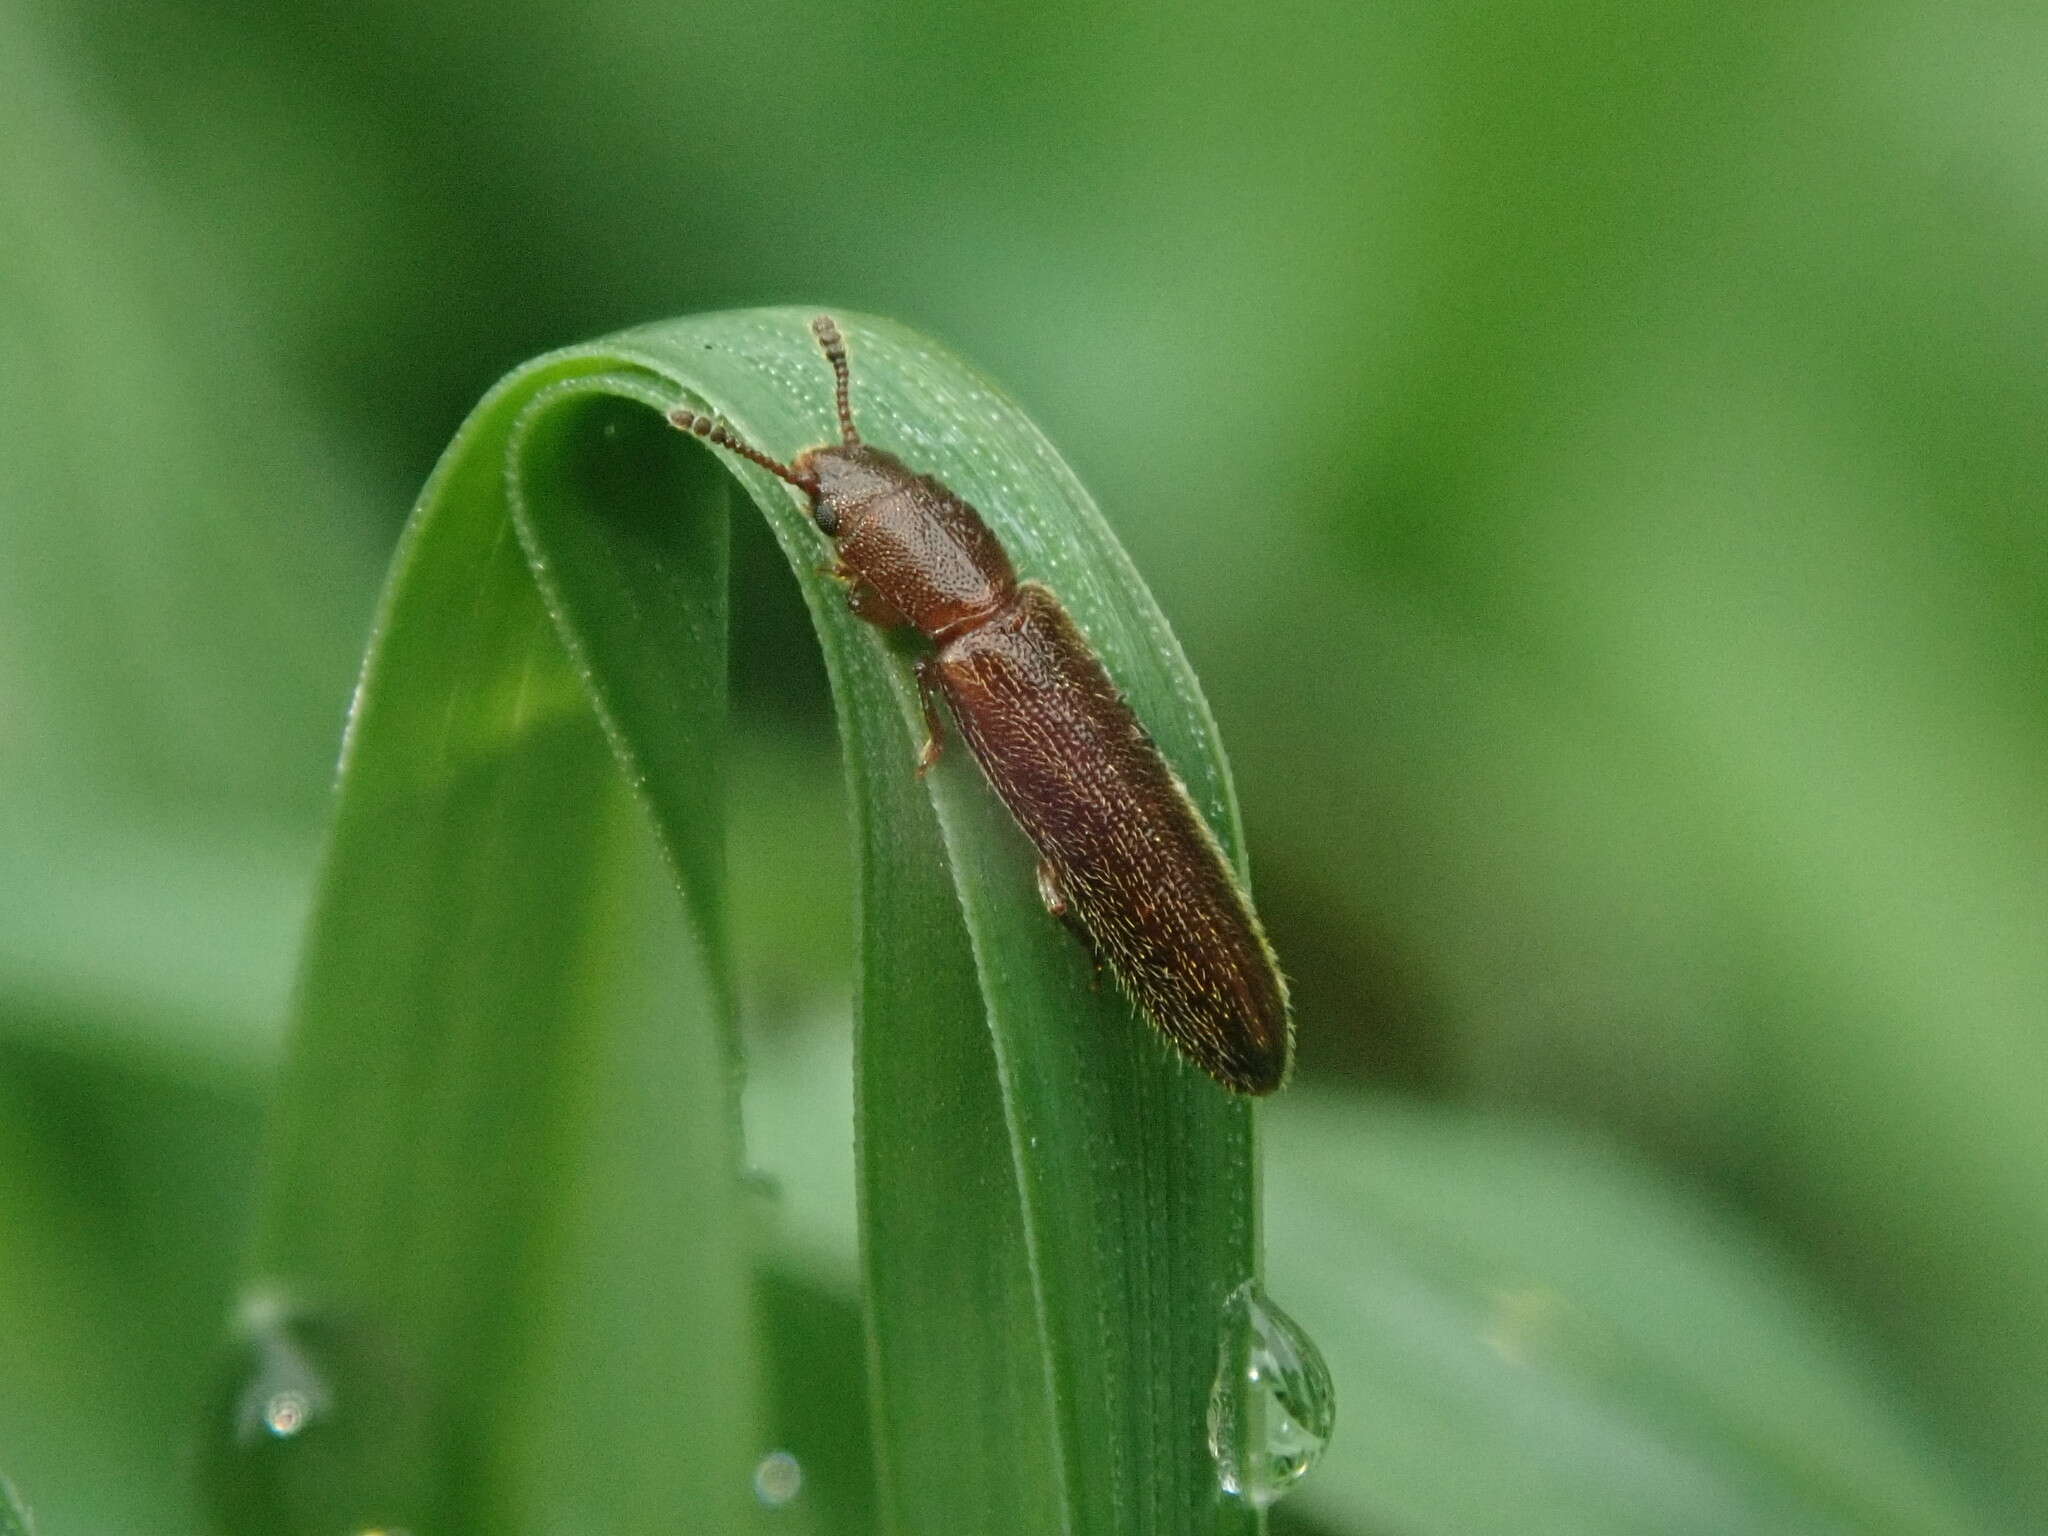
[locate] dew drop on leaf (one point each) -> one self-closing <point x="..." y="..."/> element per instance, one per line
<point x="1272" y="1406"/>
<point x="316" y="1430"/>
<point x="778" y="1478"/>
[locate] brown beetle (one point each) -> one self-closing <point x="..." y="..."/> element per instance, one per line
<point x="1124" y="856"/>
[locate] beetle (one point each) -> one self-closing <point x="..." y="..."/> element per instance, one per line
<point x="1124" y="856"/>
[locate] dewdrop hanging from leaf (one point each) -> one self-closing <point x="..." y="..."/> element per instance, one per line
<point x="1124" y="856"/>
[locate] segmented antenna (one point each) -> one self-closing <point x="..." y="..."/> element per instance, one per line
<point x="835" y="352"/>
<point x="712" y="430"/>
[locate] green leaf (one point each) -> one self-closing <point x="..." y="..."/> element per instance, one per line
<point x="1541" y="1338"/>
<point x="501" y="1281"/>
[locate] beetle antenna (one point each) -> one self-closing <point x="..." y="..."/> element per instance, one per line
<point x="835" y="352"/>
<point x="712" y="430"/>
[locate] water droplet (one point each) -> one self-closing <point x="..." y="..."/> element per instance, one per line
<point x="286" y="1413"/>
<point x="320" y="1432"/>
<point x="778" y="1479"/>
<point x="284" y="1392"/>
<point x="1272" y="1406"/>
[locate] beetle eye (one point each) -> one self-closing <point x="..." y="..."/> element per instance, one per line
<point x="827" y="517"/>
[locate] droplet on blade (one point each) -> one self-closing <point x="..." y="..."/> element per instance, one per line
<point x="286" y="1413"/>
<point x="1272" y="1407"/>
<point x="319" y="1431"/>
<point x="285" y="1391"/>
<point x="778" y="1479"/>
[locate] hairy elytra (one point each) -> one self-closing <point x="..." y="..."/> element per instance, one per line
<point x="1125" y="858"/>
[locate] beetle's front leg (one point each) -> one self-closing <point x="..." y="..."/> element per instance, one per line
<point x="862" y="600"/>
<point x="866" y="603"/>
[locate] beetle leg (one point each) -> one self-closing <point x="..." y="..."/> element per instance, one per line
<point x="869" y="604"/>
<point x="1049" y="890"/>
<point x="1055" y="898"/>
<point x="927" y="669"/>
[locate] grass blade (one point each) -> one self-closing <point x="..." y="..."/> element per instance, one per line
<point x="495" y="1150"/>
<point x="1053" y="1211"/>
<point x="508" y="1114"/>
<point x="1542" y="1338"/>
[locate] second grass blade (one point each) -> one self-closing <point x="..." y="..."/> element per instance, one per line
<point x="1054" y="1210"/>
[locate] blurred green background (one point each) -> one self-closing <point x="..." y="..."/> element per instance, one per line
<point x="1592" y="454"/>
